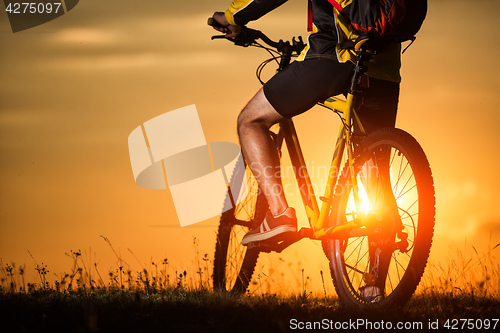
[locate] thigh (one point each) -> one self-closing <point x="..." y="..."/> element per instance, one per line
<point x="304" y="83"/>
<point x="259" y="111"/>
<point x="379" y="104"/>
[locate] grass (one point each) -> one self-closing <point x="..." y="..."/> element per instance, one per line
<point x="465" y="273"/>
<point x="204" y="310"/>
<point x="164" y="300"/>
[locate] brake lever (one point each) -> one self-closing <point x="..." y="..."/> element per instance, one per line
<point x="298" y="45"/>
<point x="246" y="37"/>
<point x="242" y="39"/>
<point x="219" y="37"/>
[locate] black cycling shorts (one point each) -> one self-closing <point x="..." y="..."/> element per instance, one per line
<point x="304" y="83"/>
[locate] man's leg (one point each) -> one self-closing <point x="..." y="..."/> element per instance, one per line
<point x="293" y="91"/>
<point x="259" y="150"/>
<point x="379" y="105"/>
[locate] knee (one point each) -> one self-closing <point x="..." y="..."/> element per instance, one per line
<point x="247" y="120"/>
<point x="258" y="115"/>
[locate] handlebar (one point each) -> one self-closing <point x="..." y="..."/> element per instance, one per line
<point x="248" y="37"/>
<point x="363" y="46"/>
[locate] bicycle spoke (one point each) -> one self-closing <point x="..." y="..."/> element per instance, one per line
<point x="360" y="243"/>
<point x="400" y="172"/>
<point x="389" y="279"/>
<point x="401" y="194"/>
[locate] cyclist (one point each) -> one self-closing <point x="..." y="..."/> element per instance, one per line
<point x="323" y="69"/>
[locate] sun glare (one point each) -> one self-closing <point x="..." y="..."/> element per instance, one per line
<point x="363" y="198"/>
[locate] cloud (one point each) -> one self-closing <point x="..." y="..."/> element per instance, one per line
<point x="85" y="35"/>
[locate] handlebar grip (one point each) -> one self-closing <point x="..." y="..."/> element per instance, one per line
<point x="213" y="23"/>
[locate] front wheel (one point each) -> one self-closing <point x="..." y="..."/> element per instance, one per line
<point x="234" y="263"/>
<point x="383" y="264"/>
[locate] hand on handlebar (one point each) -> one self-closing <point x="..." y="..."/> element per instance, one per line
<point x="220" y="24"/>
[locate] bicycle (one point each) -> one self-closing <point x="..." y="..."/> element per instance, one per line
<point x="376" y="219"/>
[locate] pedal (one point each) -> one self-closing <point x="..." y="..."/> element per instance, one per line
<point x="265" y="246"/>
<point x="280" y="242"/>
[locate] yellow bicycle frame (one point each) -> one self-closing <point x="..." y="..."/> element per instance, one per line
<point x="318" y="218"/>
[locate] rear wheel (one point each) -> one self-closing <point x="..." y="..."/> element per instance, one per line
<point x="383" y="264"/>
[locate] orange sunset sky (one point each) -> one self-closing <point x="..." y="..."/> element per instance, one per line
<point x="72" y="90"/>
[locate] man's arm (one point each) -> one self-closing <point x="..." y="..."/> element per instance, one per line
<point x="241" y="12"/>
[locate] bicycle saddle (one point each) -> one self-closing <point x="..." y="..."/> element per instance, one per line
<point x="368" y="41"/>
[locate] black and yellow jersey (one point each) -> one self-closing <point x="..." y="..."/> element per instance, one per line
<point x="330" y="29"/>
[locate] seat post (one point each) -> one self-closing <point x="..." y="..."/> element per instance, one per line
<point x="359" y="70"/>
